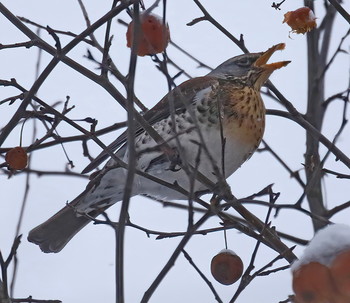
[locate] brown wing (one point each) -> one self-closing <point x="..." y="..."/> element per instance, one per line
<point x="181" y="96"/>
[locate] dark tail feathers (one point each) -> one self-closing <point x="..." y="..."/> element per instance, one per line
<point x="55" y="233"/>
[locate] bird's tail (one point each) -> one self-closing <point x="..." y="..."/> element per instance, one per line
<point x="56" y="232"/>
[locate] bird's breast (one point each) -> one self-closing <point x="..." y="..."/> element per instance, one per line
<point x="244" y="115"/>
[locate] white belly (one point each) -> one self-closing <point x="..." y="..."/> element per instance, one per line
<point x="192" y="152"/>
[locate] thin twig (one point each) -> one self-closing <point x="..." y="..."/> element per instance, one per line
<point x="148" y="294"/>
<point x="4" y="264"/>
<point x="339" y="175"/>
<point x="210" y="285"/>
<point x="337" y="209"/>
<point x="340" y="10"/>
<point x="31" y="300"/>
<point x="27" y="44"/>
<point x="120" y="231"/>
<point x="292" y="173"/>
<point x="208" y="17"/>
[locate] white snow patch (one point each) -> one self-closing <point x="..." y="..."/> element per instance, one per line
<point x="227" y="251"/>
<point x="325" y="246"/>
<point x="312" y="16"/>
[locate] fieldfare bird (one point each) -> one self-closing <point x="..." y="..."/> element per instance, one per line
<point x="212" y="123"/>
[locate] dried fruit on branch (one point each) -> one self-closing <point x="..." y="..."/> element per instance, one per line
<point x="153" y="37"/>
<point x="322" y="274"/>
<point x="301" y="20"/>
<point x="340" y="270"/>
<point x="226" y="267"/>
<point x="312" y="283"/>
<point x="16" y="158"/>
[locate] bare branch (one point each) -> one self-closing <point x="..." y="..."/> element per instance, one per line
<point x="340" y="10"/>
<point x="4" y="264"/>
<point x="173" y="257"/>
<point x="210" y="285"/>
<point x="337" y="209"/>
<point x="207" y="16"/>
<point x="31" y="300"/>
<point x="27" y="44"/>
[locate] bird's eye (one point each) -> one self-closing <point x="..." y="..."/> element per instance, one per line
<point x="244" y="62"/>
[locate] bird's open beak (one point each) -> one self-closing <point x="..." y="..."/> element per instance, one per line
<point x="262" y="60"/>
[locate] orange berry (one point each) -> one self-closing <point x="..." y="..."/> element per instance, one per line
<point x="301" y="20"/>
<point x="340" y="271"/>
<point x="153" y="37"/>
<point x="226" y="267"/>
<point x="312" y="283"/>
<point x="16" y="158"/>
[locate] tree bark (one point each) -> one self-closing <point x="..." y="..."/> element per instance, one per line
<point x="317" y="59"/>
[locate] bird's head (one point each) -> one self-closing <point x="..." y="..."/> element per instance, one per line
<point x="251" y="69"/>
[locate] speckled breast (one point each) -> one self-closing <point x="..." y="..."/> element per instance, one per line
<point x="244" y="115"/>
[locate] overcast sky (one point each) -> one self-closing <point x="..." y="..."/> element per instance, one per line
<point x="84" y="270"/>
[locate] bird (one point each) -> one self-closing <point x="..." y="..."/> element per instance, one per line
<point x="210" y="125"/>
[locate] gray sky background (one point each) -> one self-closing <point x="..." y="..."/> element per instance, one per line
<point x="84" y="270"/>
